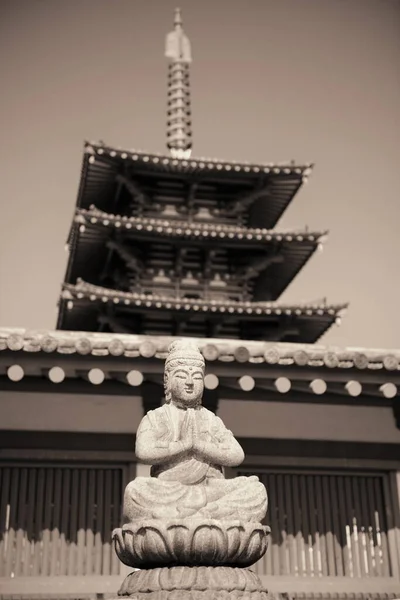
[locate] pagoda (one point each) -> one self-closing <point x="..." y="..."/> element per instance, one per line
<point x="171" y="245"/>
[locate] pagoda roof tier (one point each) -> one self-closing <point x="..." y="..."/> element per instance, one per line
<point x="184" y="229"/>
<point x="231" y="187"/>
<point x="249" y="252"/>
<point x="94" y="307"/>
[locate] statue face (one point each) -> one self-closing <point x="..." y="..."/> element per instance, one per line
<point x="186" y="386"/>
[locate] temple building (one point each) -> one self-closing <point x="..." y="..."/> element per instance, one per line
<point x="170" y="246"/>
<point x="173" y="245"/>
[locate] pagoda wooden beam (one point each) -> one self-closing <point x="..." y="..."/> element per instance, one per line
<point x="283" y="330"/>
<point x="133" y="188"/>
<point x="258" y="265"/>
<point x="245" y="201"/>
<point x="191" y="195"/>
<point x="114" y="324"/>
<point x="128" y="256"/>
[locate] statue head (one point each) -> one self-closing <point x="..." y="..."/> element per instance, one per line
<point x="184" y="374"/>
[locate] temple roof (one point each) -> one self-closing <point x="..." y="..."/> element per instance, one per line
<point x="288" y="250"/>
<point x="221" y="350"/>
<point x="84" y="303"/>
<point x="185" y="229"/>
<point x="102" y="164"/>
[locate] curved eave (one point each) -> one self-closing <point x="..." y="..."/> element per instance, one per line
<point x="90" y="251"/>
<point x="82" y="303"/>
<point x="195" y="230"/>
<point x="168" y="163"/>
<point x="95" y="292"/>
<point x="309" y="329"/>
<point x="102" y="164"/>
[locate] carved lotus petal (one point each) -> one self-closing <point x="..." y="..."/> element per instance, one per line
<point x="193" y="583"/>
<point x="208" y="542"/>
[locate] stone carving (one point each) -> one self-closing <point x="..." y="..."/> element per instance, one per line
<point x="190" y="542"/>
<point x="187" y="446"/>
<point x="187" y="515"/>
<point x="197" y="583"/>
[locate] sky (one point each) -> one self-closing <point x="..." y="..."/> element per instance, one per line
<point x="310" y="80"/>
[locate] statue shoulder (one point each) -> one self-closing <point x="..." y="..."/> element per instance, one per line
<point x="212" y="418"/>
<point x="154" y="417"/>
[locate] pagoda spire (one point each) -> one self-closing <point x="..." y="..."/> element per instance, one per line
<point x="178" y="52"/>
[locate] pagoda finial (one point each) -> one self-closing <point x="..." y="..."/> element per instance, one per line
<point x="178" y="18"/>
<point x="178" y="51"/>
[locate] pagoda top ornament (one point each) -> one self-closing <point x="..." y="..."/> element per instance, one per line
<point x="178" y="51"/>
<point x="177" y="44"/>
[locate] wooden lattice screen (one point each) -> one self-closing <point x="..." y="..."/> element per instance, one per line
<point x="57" y="520"/>
<point x="326" y="524"/>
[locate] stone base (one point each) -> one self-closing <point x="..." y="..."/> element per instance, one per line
<point x="193" y="583"/>
<point x="190" y="542"/>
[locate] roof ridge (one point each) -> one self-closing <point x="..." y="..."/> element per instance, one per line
<point x="97" y="213"/>
<point x="83" y="288"/>
<point x="102" y="148"/>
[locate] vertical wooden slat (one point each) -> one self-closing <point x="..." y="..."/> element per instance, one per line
<point x="366" y="527"/>
<point x="293" y="568"/>
<point x="300" y="550"/>
<point x="98" y="538"/>
<point x="281" y="526"/>
<point x="314" y="536"/>
<point x="37" y="553"/>
<point x="30" y="536"/>
<point x="393" y="562"/>
<point x="305" y="524"/>
<point x="73" y="523"/>
<point x="48" y="511"/>
<point x="338" y="537"/>
<point x="267" y="558"/>
<point x="355" y="563"/>
<point x="322" y="528"/>
<point x="12" y="521"/>
<point x="107" y="524"/>
<point x="343" y="524"/>
<point x="274" y="525"/>
<point x="363" y="566"/>
<point x="56" y="524"/>
<point x="376" y="549"/>
<point x="327" y="504"/>
<point x="20" y="522"/>
<point x="259" y="566"/>
<point x="394" y="486"/>
<point x="381" y="524"/>
<point x="4" y="502"/>
<point x="90" y="525"/>
<point x="116" y="516"/>
<point x="80" y="568"/>
<point x="64" y="521"/>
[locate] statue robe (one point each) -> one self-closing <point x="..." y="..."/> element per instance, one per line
<point x="190" y="485"/>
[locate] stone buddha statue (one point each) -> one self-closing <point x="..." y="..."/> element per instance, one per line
<point x="188" y="446"/>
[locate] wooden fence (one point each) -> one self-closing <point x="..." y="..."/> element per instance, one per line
<point x="329" y="524"/>
<point x="57" y="520"/>
<point x="331" y="530"/>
